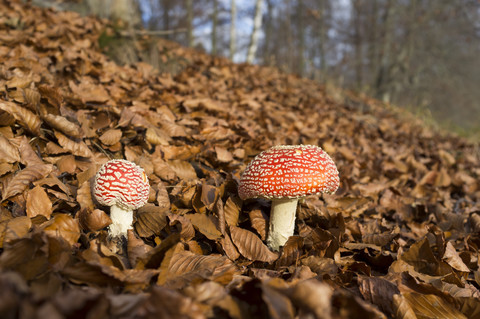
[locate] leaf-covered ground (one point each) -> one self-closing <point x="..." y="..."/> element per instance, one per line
<point x="400" y="238"/>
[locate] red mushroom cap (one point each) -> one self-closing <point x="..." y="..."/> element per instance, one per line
<point x="121" y="183"/>
<point x="289" y="171"/>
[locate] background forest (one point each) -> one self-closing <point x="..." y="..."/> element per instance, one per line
<point x="419" y="54"/>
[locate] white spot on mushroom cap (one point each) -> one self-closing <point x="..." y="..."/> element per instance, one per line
<point x="289" y="171"/>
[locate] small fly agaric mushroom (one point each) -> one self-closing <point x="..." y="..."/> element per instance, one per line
<point x="284" y="174"/>
<point x="123" y="186"/>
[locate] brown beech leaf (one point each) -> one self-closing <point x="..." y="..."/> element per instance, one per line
<point x="187" y="231"/>
<point x="8" y="152"/>
<point x="136" y="248"/>
<point x="38" y="203"/>
<point x="379" y="239"/>
<point x="250" y="246"/>
<point x="76" y="148"/>
<point x="279" y="305"/>
<point x="223" y="155"/>
<point x="93" y="220"/>
<point x="23" y="178"/>
<point x="25" y="118"/>
<point x="205" y="225"/>
<point x="150" y="220"/>
<point x="259" y="222"/>
<point x="84" y="197"/>
<point x="28" y="155"/>
<point x="13" y="229"/>
<point x="432" y="306"/>
<point x="291" y="252"/>
<point x="232" y="210"/>
<point x="229" y="248"/>
<point x="186" y="261"/>
<point x="66" y="164"/>
<point x="378" y="291"/>
<point x="209" y="195"/>
<point x="184" y="170"/>
<point x="163" y="199"/>
<point x="63" y="226"/>
<point x="313" y="296"/>
<point x="157" y="137"/>
<point x="421" y="257"/>
<point x="111" y="137"/>
<point x="452" y="258"/>
<point x="321" y="265"/>
<point x="51" y="94"/>
<point x="63" y="125"/>
<point x="162" y="169"/>
<point x="402" y="309"/>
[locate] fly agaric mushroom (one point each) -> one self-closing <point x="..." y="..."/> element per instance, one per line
<point x="284" y="174"/>
<point x="124" y="187"/>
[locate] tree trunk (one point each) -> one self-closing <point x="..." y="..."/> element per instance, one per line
<point x="257" y="25"/>
<point x="358" y="43"/>
<point x="267" y="52"/>
<point x="301" y="37"/>
<point x="190" y="23"/>
<point x="214" y="27"/>
<point x="323" y="40"/>
<point x="233" y="22"/>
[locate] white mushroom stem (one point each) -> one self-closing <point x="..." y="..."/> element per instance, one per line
<point x="282" y="222"/>
<point x="122" y="220"/>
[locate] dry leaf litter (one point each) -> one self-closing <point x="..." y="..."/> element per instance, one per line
<point x="400" y="239"/>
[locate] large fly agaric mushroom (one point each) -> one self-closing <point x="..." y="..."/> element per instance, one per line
<point x="124" y="187"/>
<point x="284" y="174"/>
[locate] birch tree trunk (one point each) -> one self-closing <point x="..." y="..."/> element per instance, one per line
<point x="257" y="25"/>
<point x="233" y="33"/>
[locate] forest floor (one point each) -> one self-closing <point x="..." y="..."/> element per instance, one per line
<point x="399" y="239"/>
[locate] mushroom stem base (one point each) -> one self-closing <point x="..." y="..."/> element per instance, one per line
<point x="282" y="222"/>
<point x="122" y="220"/>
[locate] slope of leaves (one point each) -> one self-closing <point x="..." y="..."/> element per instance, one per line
<point x="399" y="239"/>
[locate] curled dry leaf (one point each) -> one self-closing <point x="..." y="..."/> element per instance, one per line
<point x="379" y="239"/>
<point x="63" y="125"/>
<point x="22" y="179"/>
<point x="66" y="164"/>
<point x="111" y="137"/>
<point x="136" y="248"/>
<point x="76" y="148"/>
<point x="8" y="152"/>
<point x="223" y="155"/>
<point x="250" y="246"/>
<point x="13" y="229"/>
<point x="432" y="306"/>
<point x="184" y="170"/>
<point x="156" y="136"/>
<point x="38" y="203"/>
<point x="452" y="258"/>
<point x="205" y="225"/>
<point x="84" y="197"/>
<point x="93" y="220"/>
<point x="187" y="232"/>
<point x="379" y="292"/>
<point x="259" y="222"/>
<point x="150" y="220"/>
<point x="232" y="211"/>
<point x="24" y="117"/>
<point x="163" y="199"/>
<point x="291" y="252"/>
<point x="313" y="296"/>
<point x="63" y="226"/>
